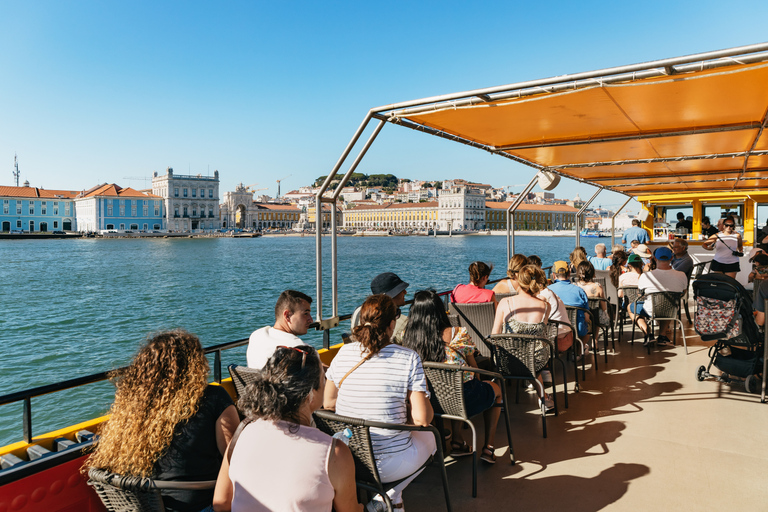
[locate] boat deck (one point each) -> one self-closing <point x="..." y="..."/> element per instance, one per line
<point x="642" y="434"/>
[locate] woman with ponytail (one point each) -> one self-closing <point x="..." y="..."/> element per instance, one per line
<point x="374" y="379"/>
<point x="277" y="460"/>
<point x="167" y="422"/>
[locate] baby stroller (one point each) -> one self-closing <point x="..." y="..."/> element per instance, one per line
<point x="724" y="315"/>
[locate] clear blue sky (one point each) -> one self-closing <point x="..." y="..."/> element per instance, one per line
<point x="94" y="92"/>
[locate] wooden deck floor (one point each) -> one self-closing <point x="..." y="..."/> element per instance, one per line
<point x="643" y="434"/>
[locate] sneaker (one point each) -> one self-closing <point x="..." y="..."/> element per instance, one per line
<point x="546" y="376"/>
<point x="663" y="340"/>
<point x="548" y="403"/>
<point x="379" y="506"/>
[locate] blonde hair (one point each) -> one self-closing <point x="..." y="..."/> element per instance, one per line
<point x="159" y="390"/>
<point x="531" y="279"/>
<point x="517" y="262"/>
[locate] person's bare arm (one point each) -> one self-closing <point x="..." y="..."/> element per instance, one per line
<point x="501" y="314"/>
<point x="421" y="408"/>
<point x="226" y="424"/>
<point x="740" y="242"/>
<point x="222" y="495"/>
<point x="709" y="244"/>
<point x="329" y="396"/>
<point x="341" y="472"/>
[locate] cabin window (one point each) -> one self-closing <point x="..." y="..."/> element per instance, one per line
<point x="670" y="216"/>
<point x="716" y="212"/>
<point x="762" y="217"/>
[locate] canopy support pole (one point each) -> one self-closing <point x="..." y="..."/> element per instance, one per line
<point x="578" y="215"/>
<point x="319" y="225"/>
<point x="511" y="216"/>
<point x="613" y="222"/>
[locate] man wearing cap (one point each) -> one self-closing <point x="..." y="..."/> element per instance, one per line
<point x="390" y="284"/>
<point x="571" y="295"/>
<point x="662" y="279"/>
<point x="634" y="233"/>
<point x="600" y="261"/>
<point x="292" y="319"/>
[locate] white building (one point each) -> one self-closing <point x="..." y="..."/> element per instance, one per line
<point x="191" y="202"/>
<point x="461" y="208"/>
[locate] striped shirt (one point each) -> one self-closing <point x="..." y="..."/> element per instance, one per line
<point x="377" y="390"/>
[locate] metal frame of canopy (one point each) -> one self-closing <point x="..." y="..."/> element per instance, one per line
<point x="397" y="114"/>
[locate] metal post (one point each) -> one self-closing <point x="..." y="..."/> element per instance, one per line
<point x="319" y="218"/>
<point x="334" y="261"/>
<point x="511" y="216"/>
<point x="578" y="215"/>
<point x="613" y="222"/>
<point x="27" y="420"/>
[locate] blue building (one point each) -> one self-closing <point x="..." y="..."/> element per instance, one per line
<point x="110" y="207"/>
<point x="32" y="209"/>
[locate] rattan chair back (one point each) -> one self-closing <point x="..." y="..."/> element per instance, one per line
<point x="241" y="377"/>
<point x="360" y="444"/>
<point x="519" y="355"/>
<point x="478" y="319"/>
<point x="446" y="388"/>
<point x="665" y="304"/>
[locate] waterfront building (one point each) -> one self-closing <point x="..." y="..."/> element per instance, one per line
<point x="276" y="216"/>
<point x="240" y="211"/>
<point x="392" y="216"/>
<point x="110" y="207"/>
<point x="461" y="207"/>
<point x="34" y="209"/>
<point x="532" y="217"/>
<point x="191" y="202"/>
<point x="308" y="218"/>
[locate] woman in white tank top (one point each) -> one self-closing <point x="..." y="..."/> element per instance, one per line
<point x="725" y="244"/>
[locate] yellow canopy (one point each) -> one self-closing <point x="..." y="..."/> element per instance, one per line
<point x="665" y="130"/>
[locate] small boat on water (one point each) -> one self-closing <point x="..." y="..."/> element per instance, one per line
<point x="594" y="233"/>
<point x="372" y="232"/>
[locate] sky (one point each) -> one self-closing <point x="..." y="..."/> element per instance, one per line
<point x="94" y="92"/>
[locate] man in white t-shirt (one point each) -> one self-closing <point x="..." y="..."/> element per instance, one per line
<point x="293" y="317"/>
<point x="663" y="279"/>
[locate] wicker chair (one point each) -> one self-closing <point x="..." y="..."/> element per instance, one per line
<point x="595" y="304"/>
<point x="573" y="314"/>
<point x="366" y="473"/>
<point x="478" y="319"/>
<point x="630" y="295"/>
<point x="665" y="306"/>
<point x="500" y="296"/>
<point x="553" y="329"/>
<point x="121" y="493"/>
<point x="241" y="377"/>
<point x="515" y="357"/>
<point x="447" y="388"/>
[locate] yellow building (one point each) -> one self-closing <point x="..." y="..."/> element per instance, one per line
<point x="392" y="216"/>
<point x="531" y="217"/>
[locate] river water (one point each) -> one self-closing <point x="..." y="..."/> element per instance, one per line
<point x="76" y="307"/>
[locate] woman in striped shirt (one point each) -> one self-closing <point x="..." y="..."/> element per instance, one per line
<point x="375" y="379"/>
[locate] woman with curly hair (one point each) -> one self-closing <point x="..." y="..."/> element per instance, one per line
<point x="277" y="460"/>
<point x="517" y="262"/>
<point x="374" y="379"/>
<point x="430" y="334"/>
<point x="167" y="422"/>
<point x="578" y="255"/>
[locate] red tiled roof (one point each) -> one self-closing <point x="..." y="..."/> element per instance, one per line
<point x="270" y="206"/>
<point x="36" y="192"/>
<point x="497" y="205"/>
<point x="112" y="190"/>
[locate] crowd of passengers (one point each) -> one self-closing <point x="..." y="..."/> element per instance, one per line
<point x="267" y="455"/>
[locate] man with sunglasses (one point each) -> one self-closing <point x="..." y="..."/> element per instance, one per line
<point x="293" y="317"/>
<point x="728" y="247"/>
<point x="390" y="284"/>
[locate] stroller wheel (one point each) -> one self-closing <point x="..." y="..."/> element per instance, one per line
<point x="752" y="384"/>
<point x="700" y="373"/>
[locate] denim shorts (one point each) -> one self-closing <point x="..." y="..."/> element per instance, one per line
<point x="478" y="396"/>
<point x="642" y="312"/>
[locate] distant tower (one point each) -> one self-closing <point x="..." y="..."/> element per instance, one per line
<point x="16" y="173"/>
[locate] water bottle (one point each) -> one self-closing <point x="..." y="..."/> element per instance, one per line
<point x="343" y="435"/>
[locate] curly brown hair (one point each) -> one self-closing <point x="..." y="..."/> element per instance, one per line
<point x="160" y="389"/>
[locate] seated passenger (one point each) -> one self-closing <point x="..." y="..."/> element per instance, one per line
<point x="373" y="378"/>
<point x="167" y="422"/>
<point x="277" y="461"/>
<point x="586" y="274"/>
<point x="517" y="262"/>
<point x="600" y="261"/>
<point x="533" y="259"/>
<point x="571" y="295"/>
<point x="293" y="317"/>
<point x="630" y="278"/>
<point x="578" y="255"/>
<point x="429" y="334"/>
<point x="557" y="312"/>
<point x="525" y="313"/>
<point x="390" y="284"/>
<point x="618" y="265"/>
<point x="475" y="291"/>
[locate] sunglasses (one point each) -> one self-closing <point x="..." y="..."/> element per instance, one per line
<point x="302" y="352"/>
<point x="729" y="225"/>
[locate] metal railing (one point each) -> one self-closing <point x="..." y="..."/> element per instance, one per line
<point x="27" y="395"/>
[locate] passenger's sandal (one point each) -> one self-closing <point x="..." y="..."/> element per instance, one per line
<point x="488" y="455"/>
